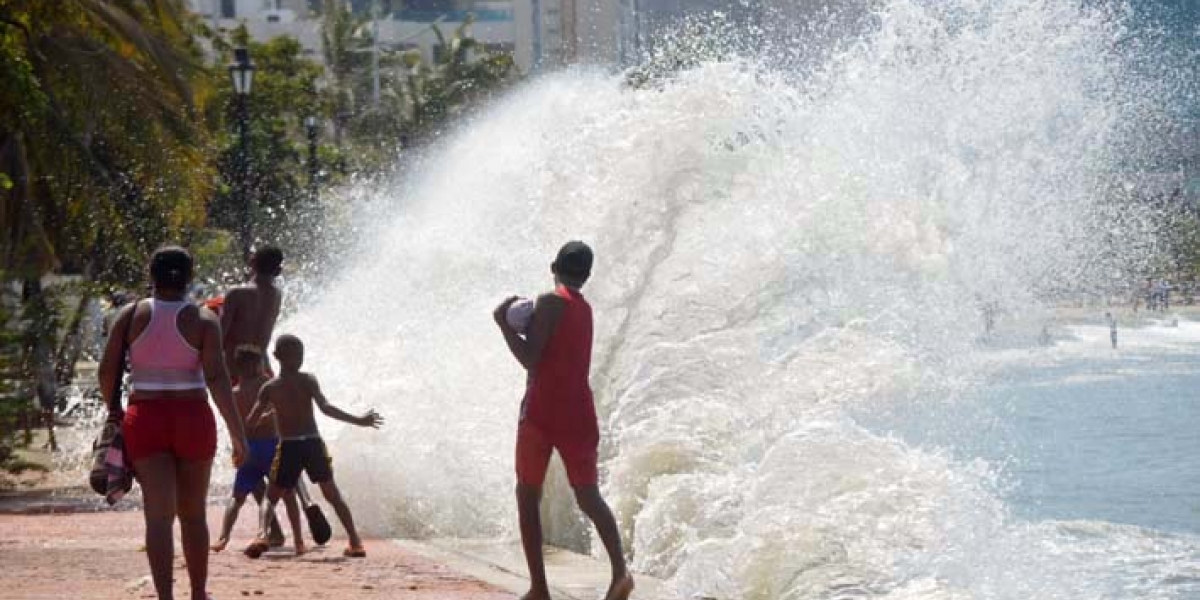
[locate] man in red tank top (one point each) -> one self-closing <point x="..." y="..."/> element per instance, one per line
<point x="557" y="413"/>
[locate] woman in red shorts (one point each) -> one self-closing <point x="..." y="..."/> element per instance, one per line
<point x="170" y="433"/>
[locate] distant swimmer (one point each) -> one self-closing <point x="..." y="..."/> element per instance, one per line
<point x="1044" y="338"/>
<point x="558" y="413"/>
<point x="1112" y="328"/>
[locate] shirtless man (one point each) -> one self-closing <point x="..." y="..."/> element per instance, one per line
<point x="249" y="313"/>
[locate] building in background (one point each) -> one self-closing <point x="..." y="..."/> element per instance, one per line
<point x="409" y="28"/>
<point x="556" y="33"/>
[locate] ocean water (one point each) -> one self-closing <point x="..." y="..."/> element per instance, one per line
<point x="792" y="266"/>
<point x="1084" y="432"/>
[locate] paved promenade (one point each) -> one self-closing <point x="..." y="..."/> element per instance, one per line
<point x="98" y="556"/>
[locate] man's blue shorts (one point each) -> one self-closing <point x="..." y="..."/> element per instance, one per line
<point x="257" y="467"/>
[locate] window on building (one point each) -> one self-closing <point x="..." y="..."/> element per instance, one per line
<point x="228" y="9"/>
<point x="501" y="48"/>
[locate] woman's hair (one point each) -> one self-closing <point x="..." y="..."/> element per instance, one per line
<point x="171" y="268"/>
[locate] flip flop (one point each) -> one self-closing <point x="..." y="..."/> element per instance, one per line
<point x="256" y="548"/>
<point x="350" y="552"/>
<point x="318" y="525"/>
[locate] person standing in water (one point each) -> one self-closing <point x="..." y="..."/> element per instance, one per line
<point x="558" y="413"/>
<point x="170" y="433"/>
<point x="1112" y="328"/>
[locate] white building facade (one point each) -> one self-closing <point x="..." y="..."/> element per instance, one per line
<point x="493" y="24"/>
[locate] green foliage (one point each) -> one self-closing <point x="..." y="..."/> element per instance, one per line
<point x="284" y="94"/>
<point x="418" y="100"/>
<point x="116" y="134"/>
<point x="31" y="325"/>
<point x="13" y="401"/>
<point x="215" y="255"/>
<point x="98" y="135"/>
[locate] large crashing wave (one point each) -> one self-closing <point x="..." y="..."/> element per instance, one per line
<point x="774" y="255"/>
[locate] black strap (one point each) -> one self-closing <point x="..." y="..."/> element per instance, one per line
<point x="115" y="410"/>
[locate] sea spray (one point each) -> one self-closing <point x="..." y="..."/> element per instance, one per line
<point x="775" y="254"/>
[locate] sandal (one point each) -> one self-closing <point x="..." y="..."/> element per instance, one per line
<point x="256" y="548"/>
<point x="352" y="552"/>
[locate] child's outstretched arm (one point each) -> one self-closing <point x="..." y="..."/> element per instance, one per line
<point x="369" y="419"/>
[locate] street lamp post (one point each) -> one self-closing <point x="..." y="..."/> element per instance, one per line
<point x="310" y="127"/>
<point x="241" y="71"/>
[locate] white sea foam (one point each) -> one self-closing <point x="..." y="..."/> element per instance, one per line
<point x="774" y="254"/>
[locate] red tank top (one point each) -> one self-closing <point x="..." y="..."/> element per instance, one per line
<point x="559" y="398"/>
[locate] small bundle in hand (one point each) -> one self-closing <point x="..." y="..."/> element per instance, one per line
<point x="520" y="314"/>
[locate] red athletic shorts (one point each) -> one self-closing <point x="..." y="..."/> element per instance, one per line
<point x="534" y="447"/>
<point x="184" y="429"/>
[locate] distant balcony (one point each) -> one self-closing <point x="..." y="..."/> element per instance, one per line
<point x="454" y="16"/>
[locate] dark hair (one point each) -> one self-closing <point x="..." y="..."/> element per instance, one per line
<point x="574" y="262"/>
<point x="288" y="340"/>
<point x="171" y="268"/>
<point x="268" y="260"/>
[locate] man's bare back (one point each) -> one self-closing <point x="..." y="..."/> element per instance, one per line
<point x="249" y="315"/>
<point x="249" y="312"/>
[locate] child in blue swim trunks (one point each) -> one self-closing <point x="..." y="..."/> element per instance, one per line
<point x="252" y="475"/>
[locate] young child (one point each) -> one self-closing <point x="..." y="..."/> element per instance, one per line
<point x="292" y="395"/>
<point x="260" y="435"/>
<point x="558" y="413"/>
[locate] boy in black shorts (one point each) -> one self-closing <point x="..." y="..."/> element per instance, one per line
<point x="263" y="444"/>
<point x="292" y="395"/>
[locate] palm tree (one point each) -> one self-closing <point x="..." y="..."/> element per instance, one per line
<point x="102" y="154"/>
<point x="101" y="149"/>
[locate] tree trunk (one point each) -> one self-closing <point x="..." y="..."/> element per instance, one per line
<point x="72" y="345"/>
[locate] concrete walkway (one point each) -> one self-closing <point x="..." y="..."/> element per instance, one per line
<point x="572" y="576"/>
<point x="99" y="556"/>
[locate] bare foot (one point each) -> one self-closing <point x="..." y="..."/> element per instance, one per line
<point x="276" y="539"/>
<point x="536" y="595"/>
<point x="621" y="588"/>
<point x="301" y="549"/>
<point x="219" y="546"/>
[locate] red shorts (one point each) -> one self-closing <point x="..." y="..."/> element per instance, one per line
<point x="184" y="429"/>
<point x="534" y="447"/>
